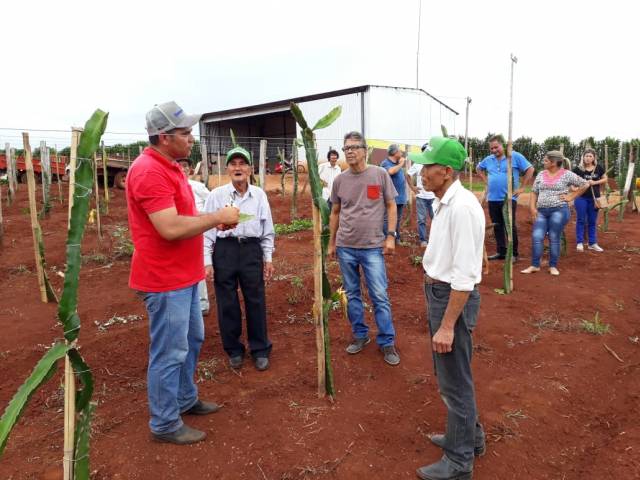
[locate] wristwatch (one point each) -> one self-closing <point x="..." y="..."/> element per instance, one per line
<point x="392" y="234"/>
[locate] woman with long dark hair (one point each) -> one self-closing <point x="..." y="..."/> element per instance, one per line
<point x="585" y="204"/>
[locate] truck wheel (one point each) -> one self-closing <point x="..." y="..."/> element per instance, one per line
<point x="119" y="180"/>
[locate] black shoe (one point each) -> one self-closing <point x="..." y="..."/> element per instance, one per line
<point x="236" y="361"/>
<point x="262" y="363"/>
<point x="183" y="436"/>
<point x="443" y="470"/>
<point x="391" y="355"/>
<point x="496" y="256"/>
<point x="357" y="344"/>
<point x="202" y="408"/>
<point x="438" y="440"/>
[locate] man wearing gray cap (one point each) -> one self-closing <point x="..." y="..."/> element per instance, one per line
<point x="166" y="267"/>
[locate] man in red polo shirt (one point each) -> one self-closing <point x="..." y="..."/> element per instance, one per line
<point x="166" y="267"/>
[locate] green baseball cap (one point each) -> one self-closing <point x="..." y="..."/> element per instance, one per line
<point x="441" y="151"/>
<point x="238" y="152"/>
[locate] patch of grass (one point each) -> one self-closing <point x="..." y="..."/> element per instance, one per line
<point x="595" y="327"/>
<point x="297" y="225"/>
<point x="416" y="260"/>
<point x="297" y="291"/>
<point x="207" y="370"/>
<point x="551" y="321"/>
<point x="122" y="244"/>
<point x="95" y="258"/>
<point x="19" y="270"/>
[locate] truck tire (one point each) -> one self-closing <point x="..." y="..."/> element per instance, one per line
<point x="119" y="180"/>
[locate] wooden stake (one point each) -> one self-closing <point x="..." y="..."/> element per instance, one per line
<point x="471" y="167"/>
<point x="1" y="221"/>
<point x="58" y="173"/>
<point x="97" y="195"/>
<point x="317" y="300"/>
<point x="69" y="420"/>
<point x="219" y="171"/>
<point x="11" y="175"/>
<point x="204" y="176"/>
<point x="73" y="160"/>
<point x="508" y="264"/>
<point x="262" y="164"/>
<point x="33" y="210"/>
<point x="105" y="179"/>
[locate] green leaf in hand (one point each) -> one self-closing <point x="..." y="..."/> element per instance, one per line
<point x="245" y="217"/>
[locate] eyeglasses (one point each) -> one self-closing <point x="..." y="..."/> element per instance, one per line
<point x="352" y="148"/>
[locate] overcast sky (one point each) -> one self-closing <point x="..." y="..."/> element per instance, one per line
<point x="577" y="74"/>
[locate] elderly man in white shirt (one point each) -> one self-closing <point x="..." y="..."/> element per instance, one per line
<point x="200" y="193"/>
<point x="241" y="255"/>
<point x="453" y="270"/>
<point x="328" y="173"/>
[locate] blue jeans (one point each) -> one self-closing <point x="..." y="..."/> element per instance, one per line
<point x="455" y="379"/>
<point x="176" y="332"/>
<point x="400" y="209"/>
<point x="372" y="262"/>
<point x="586" y="213"/>
<point x="551" y="221"/>
<point x="424" y="208"/>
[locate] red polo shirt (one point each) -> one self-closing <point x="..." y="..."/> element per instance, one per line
<point x="155" y="183"/>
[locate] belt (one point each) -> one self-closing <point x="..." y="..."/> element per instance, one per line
<point x="239" y="239"/>
<point x="432" y="281"/>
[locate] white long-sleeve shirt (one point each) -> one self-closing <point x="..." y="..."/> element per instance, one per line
<point x="328" y="174"/>
<point x="200" y="194"/>
<point x="253" y="202"/>
<point x="456" y="240"/>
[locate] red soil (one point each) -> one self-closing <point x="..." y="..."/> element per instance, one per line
<point x="555" y="403"/>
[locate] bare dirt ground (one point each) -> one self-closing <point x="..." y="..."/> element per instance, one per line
<point x="555" y="403"/>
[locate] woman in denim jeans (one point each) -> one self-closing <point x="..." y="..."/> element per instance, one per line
<point x="586" y="211"/>
<point x="549" y="204"/>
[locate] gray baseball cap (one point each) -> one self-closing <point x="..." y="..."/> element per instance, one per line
<point x="167" y="116"/>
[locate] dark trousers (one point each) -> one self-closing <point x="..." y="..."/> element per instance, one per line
<point x="495" y="213"/>
<point x="453" y="372"/>
<point x="236" y="263"/>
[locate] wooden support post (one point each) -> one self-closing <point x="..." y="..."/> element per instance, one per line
<point x="219" y="171"/>
<point x="97" y="195"/>
<point x="45" y="174"/>
<point x="1" y="220"/>
<point x="33" y="210"/>
<point x="204" y="175"/>
<point x="69" y="420"/>
<point x="263" y="162"/>
<point x="317" y="299"/>
<point x="73" y="159"/>
<point x="471" y="168"/>
<point x="11" y="172"/>
<point x="105" y="180"/>
<point x="58" y="174"/>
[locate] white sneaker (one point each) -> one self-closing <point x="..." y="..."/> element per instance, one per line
<point x="580" y="247"/>
<point x="595" y="247"/>
<point x="423" y="244"/>
<point x="554" y="271"/>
